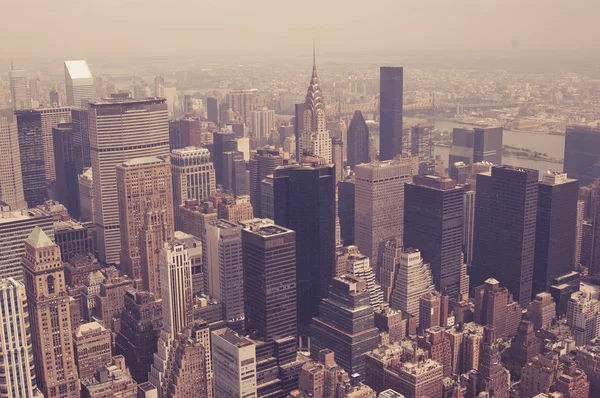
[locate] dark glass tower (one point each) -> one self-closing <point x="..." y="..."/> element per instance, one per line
<point x="234" y="173"/>
<point x="269" y="253"/>
<point x="81" y="140"/>
<point x="390" y="103"/>
<point x="260" y="166"/>
<point x="67" y="188"/>
<point x="346" y="210"/>
<point x="212" y="110"/>
<point x="304" y="200"/>
<point x="358" y="141"/>
<point x="556" y="229"/>
<point x="222" y="142"/>
<point x="33" y="166"/>
<point x="504" y="235"/>
<point x="433" y="223"/>
<point x="582" y="153"/>
<point x="346" y="324"/>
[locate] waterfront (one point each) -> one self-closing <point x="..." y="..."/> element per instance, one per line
<point x="552" y="145"/>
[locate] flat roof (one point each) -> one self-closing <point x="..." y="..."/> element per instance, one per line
<point x="127" y="101"/>
<point x="235" y="339"/>
<point x="144" y="160"/>
<point x="78" y="69"/>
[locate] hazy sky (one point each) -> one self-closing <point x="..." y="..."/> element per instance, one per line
<point x="68" y="28"/>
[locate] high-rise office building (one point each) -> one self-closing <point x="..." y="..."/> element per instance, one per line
<point x="50" y="118"/>
<point x="145" y="215"/>
<point x="15" y="227"/>
<point x="223" y="141"/>
<point x="346" y="324"/>
<point x="359" y="266"/>
<point x="141" y="322"/>
<point x="389" y="266"/>
<point x="212" y="110"/>
<point x="379" y="205"/>
<point x="345" y="209"/>
<point x="66" y="174"/>
<point x="594" y="263"/>
<point x="269" y="254"/>
<point x="234" y="364"/>
<point x="493" y="305"/>
<point x="421" y="141"/>
<point x="579" y="233"/>
<point x="193" y="177"/>
<point x="433" y="213"/>
<point x="305" y="202"/>
<point x="337" y="158"/>
<point x="11" y="178"/>
<point x="159" y="86"/>
<point x="18" y="89"/>
<point x="582" y="153"/>
<point x="190" y="132"/>
<point x="358" y="141"/>
<point x="263" y="122"/>
<point x="31" y="149"/>
<point x="505" y="223"/>
<point x="390" y="102"/>
<point x="242" y="103"/>
<point x="85" y="189"/>
<point x="121" y="129"/>
<point x="492" y="376"/>
<point x="413" y="281"/>
<point x="79" y="83"/>
<point x="92" y="346"/>
<point x="234" y="173"/>
<point x="542" y="310"/>
<point x="81" y="139"/>
<point x="556" y="229"/>
<point x="468" y="225"/>
<point x="264" y="163"/>
<point x="476" y="145"/>
<point x="223" y="269"/>
<point x="311" y="122"/>
<point x="18" y="371"/>
<point x="48" y="300"/>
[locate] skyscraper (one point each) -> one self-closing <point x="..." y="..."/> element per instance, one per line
<point x="81" y="140"/>
<point x="269" y="253"/>
<point x="223" y="269"/>
<point x="582" y="153"/>
<point x="345" y="210"/>
<point x="476" y="145"/>
<point x="242" y="103"/>
<point x="359" y="266"/>
<point x="389" y="267"/>
<point x="50" y="118"/>
<point x="193" y="177"/>
<point x="223" y="141"/>
<point x="18" y="89"/>
<point x="79" y="83"/>
<point x="379" y="205"/>
<point x="121" y="129"/>
<point x="11" y="178"/>
<point x="505" y="223"/>
<point x="421" y="141"/>
<point x="390" y="103"/>
<point x="48" y="300"/>
<point x="346" y="324"/>
<point x="556" y="229"/>
<point x="337" y="158"/>
<point x="31" y="149"/>
<point x="86" y="195"/>
<point x="264" y="162"/>
<point x="17" y="360"/>
<point x="263" y="122"/>
<point x="234" y="173"/>
<point x="66" y="173"/>
<point x="212" y="110"/>
<point x="92" y="346"/>
<point x="358" y="141"/>
<point x="234" y="364"/>
<point x="433" y="213"/>
<point x="304" y="201"/>
<point x="159" y="86"/>
<point x="413" y="281"/>
<point x="492" y="376"/>
<point x="145" y="215"/>
<point x="468" y="225"/>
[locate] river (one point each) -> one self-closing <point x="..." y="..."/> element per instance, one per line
<point x="553" y="145"/>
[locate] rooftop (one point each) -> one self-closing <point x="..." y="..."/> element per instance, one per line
<point x="233" y="338"/>
<point x="78" y="69"/>
<point x="68" y="225"/>
<point x="19" y="215"/>
<point x="264" y="227"/>
<point x="144" y="160"/>
<point x="38" y="238"/>
<point x="87" y="328"/>
<point x="127" y="101"/>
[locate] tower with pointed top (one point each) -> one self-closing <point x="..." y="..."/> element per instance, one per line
<point x="50" y="317"/>
<point x="310" y="126"/>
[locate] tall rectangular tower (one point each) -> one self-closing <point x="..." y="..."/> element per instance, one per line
<point x="269" y="279"/>
<point x="433" y="219"/>
<point x="390" y="103"/>
<point x="33" y="164"/>
<point x="264" y="162"/>
<point x="121" y="129"/>
<point x="79" y="83"/>
<point x="146" y="216"/>
<point x="304" y="201"/>
<point x="52" y="117"/>
<point x="234" y="363"/>
<point x="582" y="153"/>
<point x="18" y="89"/>
<point x="556" y="229"/>
<point x="379" y="205"/>
<point x="81" y="139"/>
<point x="49" y="311"/>
<point x="505" y="225"/>
<point x="66" y="174"/>
<point x="358" y="141"/>
<point x="11" y="179"/>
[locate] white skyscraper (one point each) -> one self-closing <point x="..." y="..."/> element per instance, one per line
<point x="18" y="89"/>
<point x="263" y="122"/>
<point x="15" y="342"/>
<point x="379" y="205"/>
<point x="234" y="365"/>
<point x="121" y="130"/>
<point x="11" y="180"/>
<point x="359" y="266"/>
<point x="413" y="281"/>
<point x="79" y="83"/>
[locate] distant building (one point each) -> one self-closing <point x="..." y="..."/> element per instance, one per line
<point x="81" y="140"/>
<point x="582" y="153"/>
<point x="476" y="145"/>
<point x="79" y="83"/>
<point x="391" y="101"/>
<point x="421" y="141"/>
<point x="358" y="141"/>
<point x="263" y="122"/>
<point x="18" y="89"/>
<point x="212" y="110"/>
<point x="11" y="189"/>
<point x="66" y="175"/>
<point x="50" y="118"/>
<point x="33" y="164"/>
